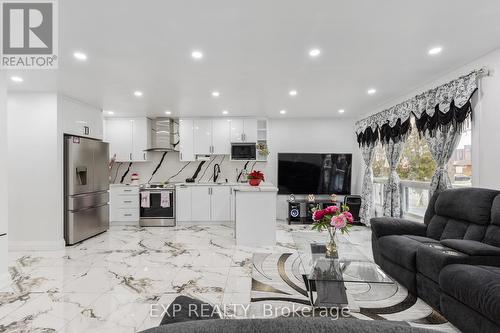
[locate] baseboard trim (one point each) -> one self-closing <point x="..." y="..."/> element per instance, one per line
<point x="36" y="245"/>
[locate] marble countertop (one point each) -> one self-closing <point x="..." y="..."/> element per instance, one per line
<point x="261" y="188"/>
<point x="242" y="185"/>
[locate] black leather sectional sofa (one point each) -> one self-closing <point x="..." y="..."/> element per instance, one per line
<point x="451" y="260"/>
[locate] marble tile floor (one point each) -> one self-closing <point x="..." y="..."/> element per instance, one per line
<point x="108" y="283"/>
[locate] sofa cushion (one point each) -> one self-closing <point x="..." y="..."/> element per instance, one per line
<point x="469" y="204"/>
<point x="492" y="236"/>
<point x="402" y="249"/>
<point x="472" y="248"/>
<point x="433" y="258"/>
<point x="385" y="226"/>
<point x="430" y="260"/>
<point x="478" y="287"/>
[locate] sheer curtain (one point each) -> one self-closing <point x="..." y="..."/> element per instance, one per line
<point x="392" y="197"/>
<point x="368" y="153"/>
<point x="442" y="145"/>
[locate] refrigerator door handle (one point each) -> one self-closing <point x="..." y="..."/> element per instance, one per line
<point x="87" y="208"/>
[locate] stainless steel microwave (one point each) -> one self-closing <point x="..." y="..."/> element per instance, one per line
<point x="243" y="151"/>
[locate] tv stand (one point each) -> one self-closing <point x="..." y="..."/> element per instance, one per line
<point x="300" y="210"/>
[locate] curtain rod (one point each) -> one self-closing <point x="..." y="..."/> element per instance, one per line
<point x="485" y="71"/>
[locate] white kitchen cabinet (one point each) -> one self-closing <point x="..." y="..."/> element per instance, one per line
<point x="80" y="119"/>
<point x="221" y="141"/>
<point x="243" y="130"/>
<point x="202" y="136"/>
<point x="141" y="137"/>
<point x="128" y="138"/>
<point x="186" y="143"/>
<point x="183" y="203"/>
<point x="250" y="130"/>
<point x="204" y="203"/>
<point x="119" y="134"/>
<point x="200" y="202"/>
<point x="124" y="204"/>
<point x="221" y="203"/>
<point x="237" y="130"/>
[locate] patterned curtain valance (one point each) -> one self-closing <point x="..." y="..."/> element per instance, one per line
<point x="444" y="106"/>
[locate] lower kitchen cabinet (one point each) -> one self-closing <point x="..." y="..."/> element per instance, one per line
<point x="183" y="203"/>
<point x="200" y="203"/>
<point x="221" y="203"/>
<point x="124" y="204"/>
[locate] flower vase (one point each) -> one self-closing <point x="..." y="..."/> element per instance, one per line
<point x="331" y="246"/>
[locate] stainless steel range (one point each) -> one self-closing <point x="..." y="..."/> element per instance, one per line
<point x="157" y="208"/>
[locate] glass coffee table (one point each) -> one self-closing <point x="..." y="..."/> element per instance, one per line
<point x="332" y="282"/>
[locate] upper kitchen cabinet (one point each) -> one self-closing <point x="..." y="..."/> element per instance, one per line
<point x="186" y="140"/>
<point x="80" y="119"/>
<point x="204" y="137"/>
<point x="128" y="138"/>
<point x="243" y="130"/>
<point x="221" y="144"/>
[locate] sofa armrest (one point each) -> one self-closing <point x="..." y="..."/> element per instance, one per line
<point x="472" y="248"/>
<point x="385" y="226"/>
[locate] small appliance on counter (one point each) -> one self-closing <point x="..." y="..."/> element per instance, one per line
<point x="157" y="205"/>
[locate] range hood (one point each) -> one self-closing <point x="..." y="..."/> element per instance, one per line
<point x="164" y="135"/>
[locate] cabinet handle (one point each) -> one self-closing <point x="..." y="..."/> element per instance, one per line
<point x="181" y="156"/>
<point x="144" y="156"/>
<point x="127" y="190"/>
<point x="127" y="214"/>
<point x="127" y="201"/>
<point x="130" y="156"/>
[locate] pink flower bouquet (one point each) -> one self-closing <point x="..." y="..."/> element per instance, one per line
<point x="337" y="218"/>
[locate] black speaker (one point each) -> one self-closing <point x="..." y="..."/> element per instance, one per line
<point x="354" y="203"/>
<point x="293" y="211"/>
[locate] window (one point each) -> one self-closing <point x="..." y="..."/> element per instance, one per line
<point x="460" y="165"/>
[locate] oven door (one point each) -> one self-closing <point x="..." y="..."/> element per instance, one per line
<point x="156" y="215"/>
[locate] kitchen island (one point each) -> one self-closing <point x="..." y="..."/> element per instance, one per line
<point x="255" y="215"/>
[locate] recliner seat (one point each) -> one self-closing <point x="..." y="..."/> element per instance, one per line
<point x="461" y="226"/>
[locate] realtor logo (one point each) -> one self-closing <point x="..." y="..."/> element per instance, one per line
<point x="29" y="34"/>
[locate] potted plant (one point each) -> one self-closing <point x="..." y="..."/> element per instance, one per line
<point x="255" y="177"/>
<point x="332" y="218"/>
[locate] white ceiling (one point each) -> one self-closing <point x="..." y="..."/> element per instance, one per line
<point x="256" y="51"/>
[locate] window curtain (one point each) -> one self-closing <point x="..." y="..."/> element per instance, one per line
<point x="392" y="197"/>
<point x="368" y="153"/>
<point x="442" y="146"/>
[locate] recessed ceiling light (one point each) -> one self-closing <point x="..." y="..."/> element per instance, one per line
<point x="283" y="111"/>
<point x="341" y="111"/>
<point x="196" y="54"/>
<point x="371" y="91"/>
<point x="215" y="93"/>
<point x="16" y="79"/>
<point x="80" y="56"/>
<point x="293" y="93"/>
<point x="168" y="112"/>
<point x="138" y="93"/>
<point x="225" y="112"/>
<point x="435" y="50"/>
<point x="110" y="113"/>
<point x="314" y="52"/>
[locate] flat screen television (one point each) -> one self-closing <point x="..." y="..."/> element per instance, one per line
<point x="314" y="173"/>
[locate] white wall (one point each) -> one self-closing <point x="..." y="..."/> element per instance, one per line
<point x="3" y="177"/>
<point x="486" y="120"/>
<point x="312" y="136"/>
<point x="35" y="172"/>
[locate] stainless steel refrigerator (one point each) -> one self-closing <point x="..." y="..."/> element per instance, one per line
<point x="86" y="185"/>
